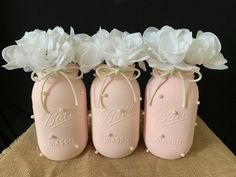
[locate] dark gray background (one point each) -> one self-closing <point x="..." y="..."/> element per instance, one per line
<point x="217" y="88"/>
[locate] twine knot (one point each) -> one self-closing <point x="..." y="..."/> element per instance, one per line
<point x="52" y="73"/>
<point x="129" y="73"/>
<point x="174" y="72"/>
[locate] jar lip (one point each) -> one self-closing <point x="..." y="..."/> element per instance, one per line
<point x="117" y="67"/>
<point x="67" y="70"/>
<point x="185" y="74"/>
<point x="52" y="69"/>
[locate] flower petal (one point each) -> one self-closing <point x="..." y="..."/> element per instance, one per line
<point x="218" y="62"/>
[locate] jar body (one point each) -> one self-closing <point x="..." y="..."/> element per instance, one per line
<point x="62" y="130"/>
<point x="115" y="121"/>
<point x="168" y="126"/>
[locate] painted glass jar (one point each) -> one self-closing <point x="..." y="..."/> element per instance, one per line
<point x="115" y="105"/>
<point x="171" y="103"/>
<point x="60" y="113"/>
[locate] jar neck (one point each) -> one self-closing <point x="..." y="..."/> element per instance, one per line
<point x="161" y="73"/>
<point x="117" y="72"/>
<point x="70" y="70"/>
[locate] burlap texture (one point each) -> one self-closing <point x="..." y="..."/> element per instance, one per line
<point x="209" y="157"/>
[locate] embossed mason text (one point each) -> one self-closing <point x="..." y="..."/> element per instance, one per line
<point x="118" y="139"/>
<point x="61" y="142"/>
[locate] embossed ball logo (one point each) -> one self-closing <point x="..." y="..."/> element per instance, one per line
<point x="168" y="117"/>
<point x="116" y="115"/>
<point x="58" y="117"/>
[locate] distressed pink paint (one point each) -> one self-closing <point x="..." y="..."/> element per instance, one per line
<point x="115" y="128"/>
<point x="62" y="133"/>
<point x="168" y="127"/>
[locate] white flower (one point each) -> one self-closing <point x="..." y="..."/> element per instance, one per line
<point x="39" y="50"/>
<point x="167" y="47"/>
<point x="89" y="50"/>
<point x="206" y="50"/>
<point x="124" y="49"/>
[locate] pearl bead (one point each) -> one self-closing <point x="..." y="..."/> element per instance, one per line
<point x="105" y="95"/>
<point x="52" y="136"/>
<point x="162" y="136"/>
<point x="160" y="96"/>
<point x="175" y="112"/>
<point x="109" y="134"/>
<point x="182" y="154"/>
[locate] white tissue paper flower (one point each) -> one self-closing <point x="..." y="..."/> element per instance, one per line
<point x="89" y="50"/>
<point x="124" y="49"/>
<point x="39" y="50"/>
<point x="205" y="50"/>
<point x="167" y="48"/>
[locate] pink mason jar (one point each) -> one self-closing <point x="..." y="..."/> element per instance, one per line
<point x="115" y="105"/>
<point x="171" y="104"/>
<point x="60" y="113"/>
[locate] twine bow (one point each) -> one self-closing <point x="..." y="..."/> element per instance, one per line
<point x="175" y="72"/>
<point x="127" y="73"/>
<point x="51" y="73"/>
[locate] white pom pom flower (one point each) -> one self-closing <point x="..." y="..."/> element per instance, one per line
<point x="124" y="49"/>
<point x="89" y="50"/>
<point x="39" y="50"/>
<point x="167" y="48"/>
<point x="205" y="50"/>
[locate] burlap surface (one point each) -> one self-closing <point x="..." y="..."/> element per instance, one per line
<point x="209" y="157"/>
